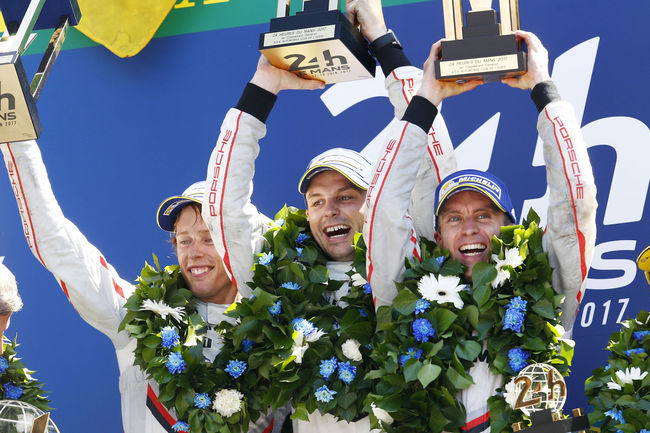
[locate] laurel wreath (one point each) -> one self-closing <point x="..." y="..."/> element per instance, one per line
<point x="433" y="379"/>
<point x="619" y="392"/>
<point x="291" y="273"/>
<point x="181" y="389"/>
<point x="16" y="381"/>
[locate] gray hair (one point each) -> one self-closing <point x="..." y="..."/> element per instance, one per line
<point x="10" y="301"/>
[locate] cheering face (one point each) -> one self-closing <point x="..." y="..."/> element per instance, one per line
<point x="199" y="261"/>
<point x="466" y="224"/>
<point x="334" y="209"/>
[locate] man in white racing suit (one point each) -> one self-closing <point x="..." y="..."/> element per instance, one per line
<point x="467" y="214"/>
<point x="334" y="183"/>
<point x="98" y="293"/>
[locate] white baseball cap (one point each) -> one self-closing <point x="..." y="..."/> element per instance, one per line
<point x="354" y="166"/>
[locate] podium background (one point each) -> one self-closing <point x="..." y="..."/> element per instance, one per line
<point x="120" y="135"/>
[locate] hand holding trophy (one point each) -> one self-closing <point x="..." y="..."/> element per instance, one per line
<point x="18" y="115"/>
<point x="482" y="47"/>
<point x="318" y="43"/>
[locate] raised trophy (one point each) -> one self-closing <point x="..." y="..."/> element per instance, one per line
<point x="482" y="47"/>
<point x="18" y="115"/>
<point x="540" y="393"/>
<point x="317" y="43"/>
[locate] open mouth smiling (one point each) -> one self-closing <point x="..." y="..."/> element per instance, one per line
<point x="472" y="249"/>
<point x="336" y="231"/>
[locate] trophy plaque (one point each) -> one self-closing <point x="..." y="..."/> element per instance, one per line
<point x="18" y="115"/>
<point x="540" y="394"/>
<point x="317" y="43"/>
<point x="482" y="47"/>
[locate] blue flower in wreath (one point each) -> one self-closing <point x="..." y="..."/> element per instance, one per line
<point x="518" y="304"/>
<point x="175" y="363"/>
<point x="440" y="260"/>
<point x="12" y="391"/>
<point x="169" y="337"/>
<point x="346" y="372"/>
<point x="421" y="306"/>
<point x="412" y="352"/>
<point x="305" y="327"/>
<point x="367" y="289"/>
<point x="265" y="259"/>
<point x="299" y="252"/>
<point x="235" y="368"/>
<point x="276" y="308"/>
<point x="513" y="320"/>
<point x="638" y="335"/>
<point x="327" y="367"/>
<point x="616" y="415"/>
<point x="181" y="426"/>
<point x="246" y="344"/>
<point x="301" y="238"/>
<point x="637" y="351"/>
<point x="202" y="400"/>
<point x="643" y="430"/>
<point x="517" y="359"/>
<point x="291" y="286"/>
<point x="4" y="364"/>
<point x="324" y="394"/>
<point x="423" y="330"/>
<point x="362" y="312"/>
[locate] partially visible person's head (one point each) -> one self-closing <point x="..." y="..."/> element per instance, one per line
<point x="10" y="300"/>
<point x="334" y="186"/>
<point x="471" y="206"/>
<point x="200" y="264"/>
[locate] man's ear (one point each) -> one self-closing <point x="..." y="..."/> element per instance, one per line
<point x="437" y="237"/>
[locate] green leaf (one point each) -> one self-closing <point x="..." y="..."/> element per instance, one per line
<point x="544" y="308"/>
<point x="319" y="274"/>
<point x="468" y="349"/>
<point x="444" y="319"/>
<point x="460" y="381"/>
<point x="428" y="373"/>
<point x="482" y="274"/>
<point x="411" y="369"/>
<point x="405" y="301"/>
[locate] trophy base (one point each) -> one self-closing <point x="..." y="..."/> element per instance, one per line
<point x="490" y="58"/>
<point x="322" y="46"/>
<point x="18" y="115"/>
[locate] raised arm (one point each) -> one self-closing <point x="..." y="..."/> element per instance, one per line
<point x="389" y="229"/>
<point x="234" y="222"/>
<point x="571" y="228"/>
<point x="87" y="279"/>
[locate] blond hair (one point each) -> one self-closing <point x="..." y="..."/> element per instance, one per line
<point x="10" y="300"/>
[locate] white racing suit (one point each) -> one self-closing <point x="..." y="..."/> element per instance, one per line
<point x="93" y="287"/>
<point x="570" y="232"/>
<point x="235" y="222"/>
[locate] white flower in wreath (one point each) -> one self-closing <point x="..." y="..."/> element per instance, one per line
<point x="443" y="289"/>
<point x="502" y="276"/>
<point x="162" y="309"/>
<point x="510" y="395"/>
<point x="314" y="335"/>
<point x="512" y="258"/>
<point x="351" y="350"/>
<point x="381" y="414"/>
<point x="358" y="280"/>
<point x="227" y="402"/>
<point x="299" y="347"/>
<point x="627" y="376"/>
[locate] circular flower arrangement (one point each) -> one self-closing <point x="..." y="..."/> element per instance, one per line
<point x="437" y="328"/>
<point x="162" y="317"/>
<point x="620" y="392"/>
<point x="298" y="347"/>
<point x="16" y="381"/>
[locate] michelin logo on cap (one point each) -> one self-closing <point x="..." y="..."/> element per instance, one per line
<point x="484" y="182"/>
